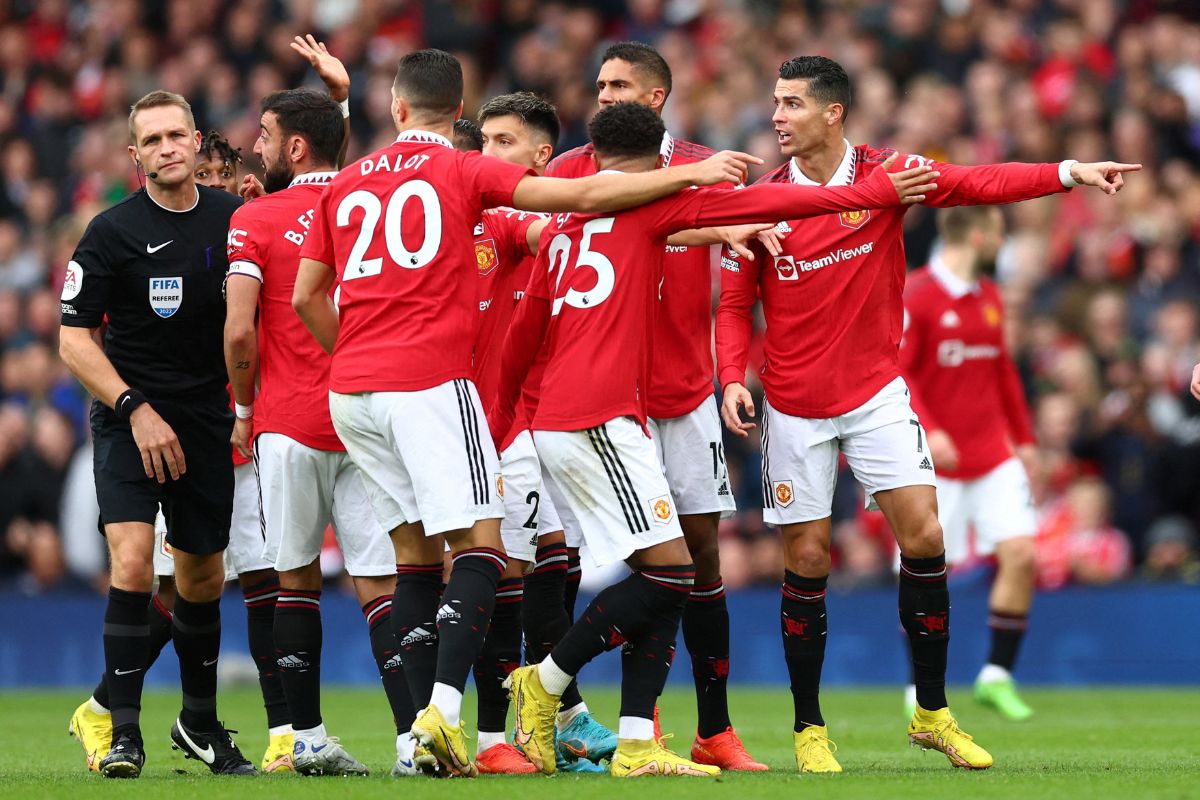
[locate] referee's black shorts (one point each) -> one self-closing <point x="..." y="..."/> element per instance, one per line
<point x="198" y="506"/>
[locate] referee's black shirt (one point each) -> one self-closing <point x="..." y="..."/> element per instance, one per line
<point x="156" y="275"/>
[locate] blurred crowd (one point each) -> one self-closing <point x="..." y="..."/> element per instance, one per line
<point x="1101" y="293"/>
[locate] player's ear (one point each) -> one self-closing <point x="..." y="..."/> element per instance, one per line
<point x="835" y="113"/>
<point x="544" y="153"/>
<point x="596" y="161"/>
<point x="658" y="98"/>
<point x="197" y="137"/>
<point x="297" y="148"/>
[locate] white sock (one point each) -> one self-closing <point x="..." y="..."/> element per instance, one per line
<point x="316" y="734"/>
<point x="488" y="740"/>
<point x="910" y="695"/>
<point x="553" y="679"/>
<point x="448" y="701"/>
<point x="406" y="746"/>
<point x="567" y="716"/>
<point x="96" y="708"/>
<point x="992" y="673"/>
<point x="635" y="728"/>
<point x="280" y="730"/>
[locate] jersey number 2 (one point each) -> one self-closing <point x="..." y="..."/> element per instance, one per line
<point x="372" y="209"/>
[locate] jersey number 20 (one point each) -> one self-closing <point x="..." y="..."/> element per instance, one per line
<point x="372" y="208"/>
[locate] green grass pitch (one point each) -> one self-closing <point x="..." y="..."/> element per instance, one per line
<point x="1121" y="743"/>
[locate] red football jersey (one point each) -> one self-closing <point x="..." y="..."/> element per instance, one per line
<point x="265" y="237"/>
<point x="600" y="275"/>
<point x="959" y="373"/>
<point x="502" y="256"/>
<point x="683" y="366"/>
<point x="833" y="301"/>
<point x="396" y="225"/>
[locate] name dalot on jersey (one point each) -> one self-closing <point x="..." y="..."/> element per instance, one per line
<point x="166" y="295"/>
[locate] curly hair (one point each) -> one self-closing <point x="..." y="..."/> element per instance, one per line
<point x="215" y="147"/>
<point x="626" y="129"/>
<point x="467" y="136"/>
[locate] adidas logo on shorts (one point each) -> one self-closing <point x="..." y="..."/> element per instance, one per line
<point x="925" y="464"/>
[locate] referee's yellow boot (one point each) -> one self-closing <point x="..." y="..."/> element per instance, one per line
<point x="278" y="757"/>
<point x="938" y="730"/>
<point x="93" y="729"/>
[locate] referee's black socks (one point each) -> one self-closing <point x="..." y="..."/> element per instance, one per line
<point x="126" y="642"/>
<point x="197" y="636"/>
<point x="159" y="618"/>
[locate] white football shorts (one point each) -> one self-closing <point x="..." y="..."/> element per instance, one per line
<point x="882" y="439"/>
<point x="613" y="483"/>
<point x="304" y="490"/>
<point x="425" y="456"/>
<point x="528" y="510"/>
<point x="998" y="506"/>
<point x="693" y="459"/>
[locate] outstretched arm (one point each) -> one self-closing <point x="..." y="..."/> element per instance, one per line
<point x="995" y="184"/>
<point x="614" y="192"/>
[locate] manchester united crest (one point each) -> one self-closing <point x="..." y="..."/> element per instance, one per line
<point x="500" y="485"/>
<point x="783" y="493"/>
<point x="854" y="219"/>
<point x="485" y="256"/>
<point x="660" y="507"/>
<point x="991" y="315"/>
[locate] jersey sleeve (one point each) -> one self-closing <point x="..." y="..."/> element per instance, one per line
<point x="318" y="245"/>
<point x="770" y="202"/>
<point x="512" y="228"/>
<point x="245" y="247"/>
<point x="491" y="180"/>
<point x="89" y="278"/>
<point x="988" y="184"/>
<point x="735" y="314"/>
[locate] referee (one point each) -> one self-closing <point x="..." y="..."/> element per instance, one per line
<point x="152" y="268"/>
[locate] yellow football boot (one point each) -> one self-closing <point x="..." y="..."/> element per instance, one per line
<point x="938" y="730"/>
<point x="447" y="743"/>
<point x="278" y="757"/>
<point x="814" y="751"/>
<point x="93" y="729"/>
<point x="636" y="758"/>
<point x="535" y="708"/>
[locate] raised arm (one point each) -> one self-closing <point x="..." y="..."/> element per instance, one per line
<point x="616" y="191"/>
<point x="333" y="72"/>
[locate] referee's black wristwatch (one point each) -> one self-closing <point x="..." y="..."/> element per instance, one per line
<point x="127" y="403"/>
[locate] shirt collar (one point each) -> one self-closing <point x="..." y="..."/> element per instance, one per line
<point x="426" y="137"/>
<point x="842" y="176"/>
<point x="955" y="286"/>
<point x="195" y="203"/>
<point x="313" y="177"/>
<point x="667" y="150"/>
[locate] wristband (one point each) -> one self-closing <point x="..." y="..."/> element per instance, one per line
<point x="1064" y="174"/>
<point x="127" y="403"/>
<point x="345" y="107"/>
<point x="243" y="412"/>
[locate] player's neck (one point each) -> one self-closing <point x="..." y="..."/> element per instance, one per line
<point x="961" y="263"/>
<point x="820" y="165"/>
<point x="180" y="197"/>
<point x="432" y="126"/>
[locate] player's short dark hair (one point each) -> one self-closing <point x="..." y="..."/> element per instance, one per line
<point x="311" y="114"/>
<point x="644" y="58"/>
<point x="467" y="136"/>
<point x="827" y="81"/>
<point x="157" y="99"/>
<point x="626" y="129"/>
<point x="956" y="223"/>
<point x="536" y="113"/>
<point x="215" y="147"/>
<point x="430" y="81"/>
